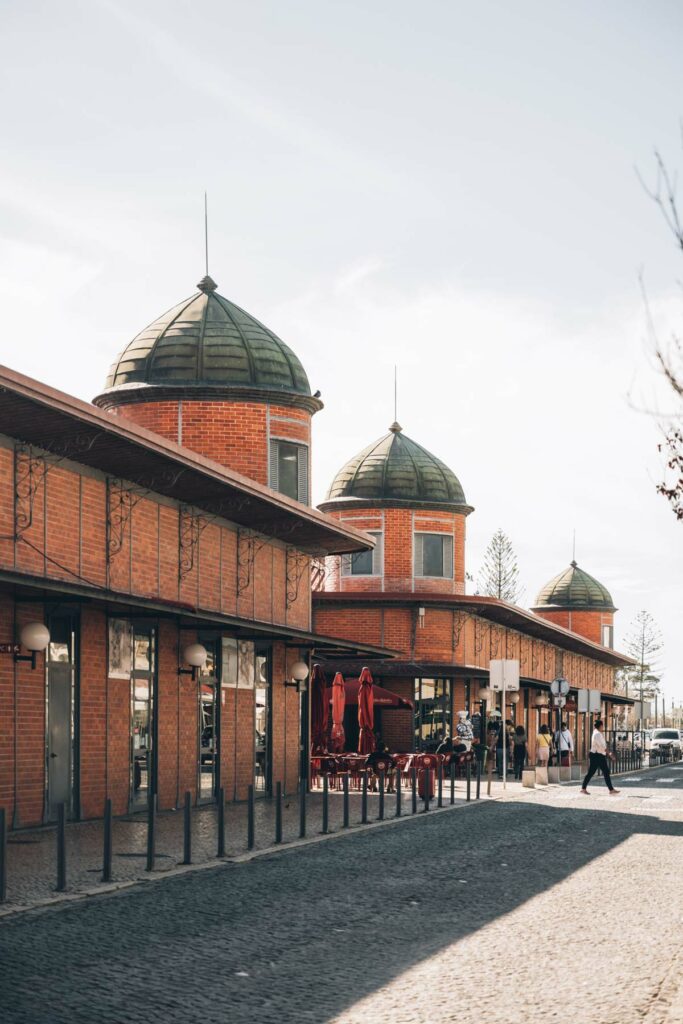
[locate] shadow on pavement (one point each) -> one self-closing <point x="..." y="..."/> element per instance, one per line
<point x="304" y="935"/>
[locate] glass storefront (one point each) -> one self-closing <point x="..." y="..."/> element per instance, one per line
<point x="433" y="712"/>
<point x="142" y="711"/>
<point x="209" y="738"/>
<point x="262" y="725"/>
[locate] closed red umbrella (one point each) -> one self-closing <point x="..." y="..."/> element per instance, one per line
<point x="366" y="714"/>
<point x="338" y="704"/>
<point x="319" y="711"/>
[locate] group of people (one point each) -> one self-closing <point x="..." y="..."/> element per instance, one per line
<point x="551" y="748"/>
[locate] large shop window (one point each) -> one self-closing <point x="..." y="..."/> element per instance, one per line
<point x="433" y="712"/>
<point x="434" y="555"/>
<point x="288" y="470"/>
<point x="365" y="563"/>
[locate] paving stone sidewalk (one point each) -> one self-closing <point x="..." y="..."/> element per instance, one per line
<point x="31" y="869"/>
<point x="534" y="907"/>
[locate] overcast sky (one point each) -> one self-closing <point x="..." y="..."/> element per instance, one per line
<point x="446" y="186"/>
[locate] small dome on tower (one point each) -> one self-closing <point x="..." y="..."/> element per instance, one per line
<point x="575" y="588"/>
<point x="207" y="342"/>
<point x="396" y="471"/>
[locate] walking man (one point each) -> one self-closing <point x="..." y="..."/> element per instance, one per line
<point x="598" y="759"/>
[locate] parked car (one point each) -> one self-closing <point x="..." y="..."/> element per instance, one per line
<point x="647" y="740"/>
<point x="665" y="740"/>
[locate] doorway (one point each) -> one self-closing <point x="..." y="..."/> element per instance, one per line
<point x="62" y="717"/>
<point x="263" y="729"/>
<point x="208" y="719"/>
<point x="143" y="716"/>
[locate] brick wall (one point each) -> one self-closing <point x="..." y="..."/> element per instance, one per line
<point x="586" y="623"/>
<point x="398" y="526"/>
<point x="233" y="433"/>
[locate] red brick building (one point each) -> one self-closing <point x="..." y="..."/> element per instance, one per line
<point x="409" y="594"/>
<point x="175" y="514"/>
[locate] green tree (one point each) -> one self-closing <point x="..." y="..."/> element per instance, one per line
<point x="499" y="576"/>
<point x="643" y="643"/>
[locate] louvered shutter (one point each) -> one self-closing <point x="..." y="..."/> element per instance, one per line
<point x="378" y="554"/>
<point x="448" y="557"/>
<point x="302" y="468"/>
<point x="419" y="560"/>
<point x="272" y="466"/>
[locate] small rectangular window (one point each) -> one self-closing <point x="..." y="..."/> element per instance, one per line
<point x="608" y="636"/>
<point x="288" y="469"/>
<point x="364" y="563"/>
<point x="434" y="555"/>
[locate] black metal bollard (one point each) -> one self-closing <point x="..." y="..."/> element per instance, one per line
<point x="302" y="809"/>
<point x="326" y="805"/>
<point x="250" y="818"/>
<point x="345" y="785"/>
<point x="278" y="812"/>
<point x="452" y="771"/>
<point x="364" y="800"/>
<point x="380" y="816"/>
<point x="61" y="848"/>
<point x="3" y="855"/>
<point x="468" y="770"/>
<point x="478" y="791"/>
<point x="107" y="842"/>
<point x="397" y="776"/>
<point x="428" y="786"/>
<point x="413" y="782"/>
<point x="439" y="780"/>
<point x="187" y="826"/>
<point x="220" y="820"/>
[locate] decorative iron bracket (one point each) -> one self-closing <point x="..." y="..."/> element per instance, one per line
<point x="30" y="469"/>
<point x="459" y="620"/>
<point x="249" y="543"/>
<point x="296" y="565"/>
<point x="494" y="641"/>
<point x="191" y="525"/>
<point x="121" y="500"/>
<point x="319" y="574"/>
<point x="478" y="635"/>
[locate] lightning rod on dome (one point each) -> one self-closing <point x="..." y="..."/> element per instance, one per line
<point x="574" y="547"/>
<point x="206" y="233"/>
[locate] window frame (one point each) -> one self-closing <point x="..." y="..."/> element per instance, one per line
<point x="377" y="554"/>
<point x="303" y="467"/>
<point x="418" y="559"/>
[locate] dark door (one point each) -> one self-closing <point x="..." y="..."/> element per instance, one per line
<point x="59" y="683"/>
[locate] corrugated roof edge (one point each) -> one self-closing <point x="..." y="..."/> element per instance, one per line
<point x="340" y="539"/>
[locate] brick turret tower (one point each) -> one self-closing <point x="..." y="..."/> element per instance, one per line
<point x="577" y="601"/>
<point x="212" y="378"/>
<point x="414" y="506"/>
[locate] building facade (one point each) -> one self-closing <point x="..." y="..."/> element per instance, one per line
<point x="409" y="594"/>
<point x="155" y="557"/>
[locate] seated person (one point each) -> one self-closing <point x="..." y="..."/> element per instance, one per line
<point x="381" y="756"/>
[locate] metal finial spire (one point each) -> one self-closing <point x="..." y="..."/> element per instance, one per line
<point x="206" y="233"/>
<point x="574" y="548"/>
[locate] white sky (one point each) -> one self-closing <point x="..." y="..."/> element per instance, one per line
<point x="448" y="186"/>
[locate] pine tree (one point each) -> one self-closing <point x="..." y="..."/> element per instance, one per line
<point x="643" y="643"/>
<point x="499" y="576"/>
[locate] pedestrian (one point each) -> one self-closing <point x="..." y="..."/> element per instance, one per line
<point x="598" y="759"/>
<point x="564" y="742"/>
<point x="519" y="750"/>
<point x="544" y="742"/>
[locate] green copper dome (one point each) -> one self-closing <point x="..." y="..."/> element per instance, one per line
<point x="207" y="342"/>
<point x="574" y="588"/>
<point x="395" y="471"/>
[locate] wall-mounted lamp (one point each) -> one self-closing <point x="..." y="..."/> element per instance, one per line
<point x="486" y="693"/>
<point x="194" y="655"/>
<point x="541" y="701"/>
<point x="35" y="636"/>
<point x="299" y="675"/>
<point x="514" y="698"/>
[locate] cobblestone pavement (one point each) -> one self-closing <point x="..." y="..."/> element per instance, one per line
<point x="31" y="869"/>
<point x="545" y="906"/>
